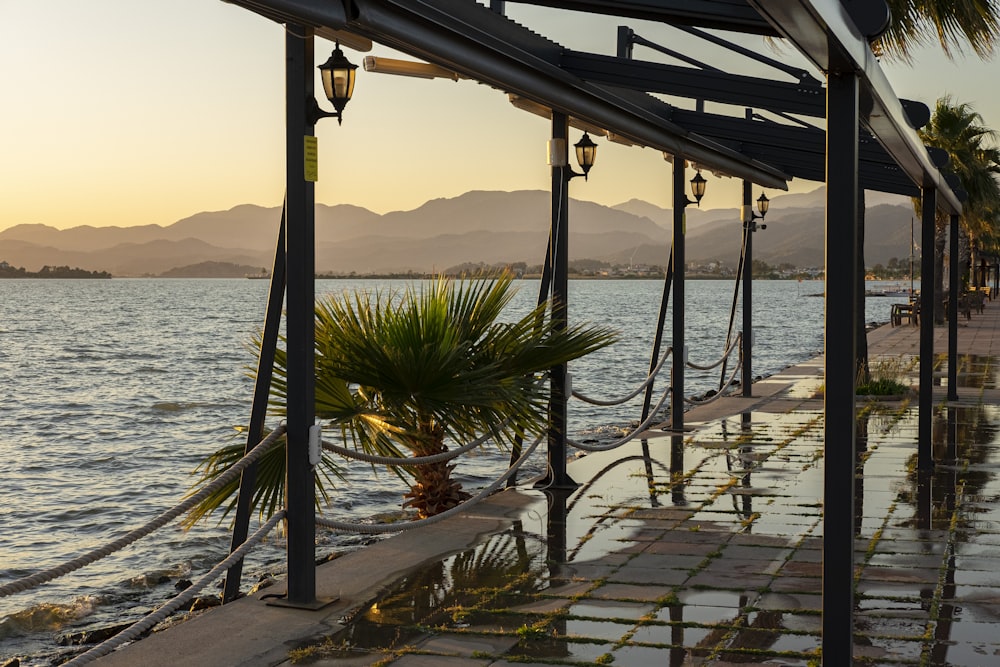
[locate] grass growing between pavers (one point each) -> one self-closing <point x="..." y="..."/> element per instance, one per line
<point x="715" y="603"/>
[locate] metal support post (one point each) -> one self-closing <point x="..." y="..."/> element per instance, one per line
<point x="543" y="294"/>
<point x="258" y="410"/>
<point x="559" y="239"/>
<point x="677" y="340"/>
<point x="925" y="458"/>
<point x="953" y="311"/>
<point x="746" y="345"/>
<point x="300" y="253"/>
<point x="654" y="357"/>
<point x="840" y="345"/>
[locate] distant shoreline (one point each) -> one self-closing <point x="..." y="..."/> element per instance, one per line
<point x="59" y="272"/>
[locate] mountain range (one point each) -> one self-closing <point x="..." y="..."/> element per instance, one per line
<point x="480" y="226"/>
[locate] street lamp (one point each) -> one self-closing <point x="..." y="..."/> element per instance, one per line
<point x="586" y="155"/>
<point x="698" y="188"/>
<point x="763" y="203"/>
<point x="338" y="84"/>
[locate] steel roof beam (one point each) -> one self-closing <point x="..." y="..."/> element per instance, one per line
<point x="468" y="38"/>
<point x="800" y="98"/>
<point x="799" y="151"/>
<point x="810" y="140"/>
<point x="733" y="15"/>
<point x="471" y="39"/>
<point x="824" y="31"/>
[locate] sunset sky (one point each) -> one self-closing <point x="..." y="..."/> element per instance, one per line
<point x="118" y="112"/>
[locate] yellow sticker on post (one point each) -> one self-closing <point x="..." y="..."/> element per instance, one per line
<point x="311" y="159"/>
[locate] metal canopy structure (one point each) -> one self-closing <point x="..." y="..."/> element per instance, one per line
<point x="614" y="94"/>
<point x="823" y="31"/>
<point x="474" y="41"/>
<point x="732" y="15"/>
<point x="796" y="149"/>
<point x="814" y="27"/>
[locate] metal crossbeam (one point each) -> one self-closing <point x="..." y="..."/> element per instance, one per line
<point x="799" y="151"/>
<point x="806" y="98"/>
<point x="734" y="15"/>
<point x="823" y="32"/>
<point x="468" y="38"/>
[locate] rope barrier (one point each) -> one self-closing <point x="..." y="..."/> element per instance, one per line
<point x="638" y="390"/>
<point x="725" y="355"/>
<point x="618" y="443"/>
<point x="138" y="628"/>
<point x="26" y="583"/>
<point x="395" y="528"/>
<point x="719" y="394"/>
<point x="407" y="461"/>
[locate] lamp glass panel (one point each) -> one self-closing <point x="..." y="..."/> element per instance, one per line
<point x="698" y="185"/>
<point x="763" y="203"/>
<point x="343" y="82"/>
<point x="586" y="152"/>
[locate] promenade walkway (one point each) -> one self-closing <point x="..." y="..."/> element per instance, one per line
<point x="702" y="549"/>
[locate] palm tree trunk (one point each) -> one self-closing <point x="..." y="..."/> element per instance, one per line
<point x="433" y="490"/>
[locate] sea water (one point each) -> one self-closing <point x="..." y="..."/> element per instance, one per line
<point x="115" y="390"/>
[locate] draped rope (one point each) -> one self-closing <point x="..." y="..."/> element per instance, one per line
<point x="370" y="529"/>
<point x="636" y="392"/>
<point x="407" y="461"/>
<point x="725" y="355"/>
<point x="26" y="583"/>
<point x="631" y="436"/>
<point x="719" y="394"/>
<point x="138" y="628"/>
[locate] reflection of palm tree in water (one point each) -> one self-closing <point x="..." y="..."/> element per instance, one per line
<point x="502" y="572"/>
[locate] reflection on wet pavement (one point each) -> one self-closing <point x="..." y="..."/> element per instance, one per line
<point x="709" y="551"/>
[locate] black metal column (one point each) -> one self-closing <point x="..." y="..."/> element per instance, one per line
<point x="840" y="347"/>
<point x="559" y="240"/>
<point x="677" y="337"/>
<point x="746" y="345"/>
<point x="300" y="253"/>
<point x="925" y="460"/>
<point x="654" y="356"/>
<point x="953" y="311"/>
<point x="258" y="410"/>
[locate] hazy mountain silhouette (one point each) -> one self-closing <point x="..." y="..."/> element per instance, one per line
<point x="488" y="227"/>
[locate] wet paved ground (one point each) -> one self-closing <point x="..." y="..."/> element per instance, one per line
<point x="707" y="551"/>
<point x="701" y="549"/>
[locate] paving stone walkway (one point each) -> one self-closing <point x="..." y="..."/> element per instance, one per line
<point x="706" y="549"/>
<point x="696" y="549"/>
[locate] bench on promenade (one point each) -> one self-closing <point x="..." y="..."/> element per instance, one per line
<point x="909" y="311"/>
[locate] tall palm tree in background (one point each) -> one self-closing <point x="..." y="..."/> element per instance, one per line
<point x="973" y="157"/>
<point x="409" y="371"/>
<point x="956" y="25"/>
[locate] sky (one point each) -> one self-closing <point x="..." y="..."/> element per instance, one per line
<point x="117" y="112"/>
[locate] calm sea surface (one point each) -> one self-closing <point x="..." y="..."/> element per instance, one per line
<point x="114" y="391"/>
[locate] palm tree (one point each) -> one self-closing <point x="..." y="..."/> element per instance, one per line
<point x="959" y="130"/>
<point x="412" y="369"/>
<point x="955" y="25"/>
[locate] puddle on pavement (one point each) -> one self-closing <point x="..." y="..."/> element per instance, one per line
<point x="750" y="474"/>
<point x="473" y="588"/>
